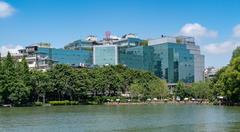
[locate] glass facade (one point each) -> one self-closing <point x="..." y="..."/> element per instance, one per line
<point x="169" y="61"/>
<point x="108" y="54"/>
<point x="139" y="57"/>
<point x="61" y="56"/>
<point x="105" y="54"/>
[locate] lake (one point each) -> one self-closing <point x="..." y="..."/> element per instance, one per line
<point x="103" y="118"/>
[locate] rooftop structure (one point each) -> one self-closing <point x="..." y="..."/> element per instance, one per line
<point x="91" y="38"/>
<point x="169" y="39"/>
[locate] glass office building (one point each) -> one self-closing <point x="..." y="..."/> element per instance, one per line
<point x="171" y="58"/>
<point x="169" y="61"/>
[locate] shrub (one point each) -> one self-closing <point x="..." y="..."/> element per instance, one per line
<point x="102" y="99"/>
<point x="65" y="102"/>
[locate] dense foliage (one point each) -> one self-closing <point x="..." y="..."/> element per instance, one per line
<point x="199" y="90"/>
<point x="19" y="85"/>
<point x="227" y="81"/>
<point x="14" y="81"/>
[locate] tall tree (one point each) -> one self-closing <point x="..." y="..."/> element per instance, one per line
<point x="227" y="81"/>
<point x="202" y="90"/>
<point x="158" y="88"/>
<point x="61" y="80"/>
<point x="40" y="85"/>
<point x="18" y="92"/>
<point x="9" y="76"/>
<point x="179" y="90"/>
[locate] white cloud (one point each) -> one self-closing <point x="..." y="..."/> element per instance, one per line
<point x="9" y="48"/>
<point x="220" y="48"/>
<point x="236" y="31"/>
<point x="197" y="30"/>
<point x="5" y="9"/>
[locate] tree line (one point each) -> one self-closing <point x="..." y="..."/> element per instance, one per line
<point x="19" y="85"/>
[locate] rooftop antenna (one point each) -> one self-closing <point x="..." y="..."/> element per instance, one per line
<point x="107" y="35"/>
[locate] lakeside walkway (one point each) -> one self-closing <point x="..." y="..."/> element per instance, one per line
<point x="157" y="102"/>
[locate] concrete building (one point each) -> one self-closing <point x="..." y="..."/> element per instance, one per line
<point x="42" y="58"/>
<point x="210" y="72"/>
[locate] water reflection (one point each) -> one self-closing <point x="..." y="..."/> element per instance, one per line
<point x="121" y="118"/>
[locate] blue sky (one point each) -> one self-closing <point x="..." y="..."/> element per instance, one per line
<point x="214" y="23"/>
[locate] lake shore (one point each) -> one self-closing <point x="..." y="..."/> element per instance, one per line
<point x="121" y="103"/>
<point x="130" y="103"/>
<point x="158" y="102"/>
<point x="173" y="102"/>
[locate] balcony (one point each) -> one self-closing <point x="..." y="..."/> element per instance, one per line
<point x="31" y="58"/>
